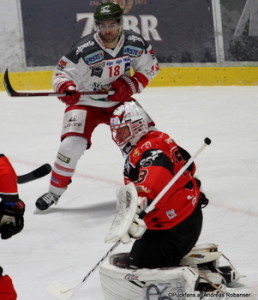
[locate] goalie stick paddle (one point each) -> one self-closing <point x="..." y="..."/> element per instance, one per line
<point x="35" y="174"/>
<point x="11" y="92"/>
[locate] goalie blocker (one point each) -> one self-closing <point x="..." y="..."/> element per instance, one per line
<point x="200" y="276"/>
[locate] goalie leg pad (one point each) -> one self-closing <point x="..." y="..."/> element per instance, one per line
<point x="127" y="284"/>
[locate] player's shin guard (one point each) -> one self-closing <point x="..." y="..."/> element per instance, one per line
<point x="70" y="151"/>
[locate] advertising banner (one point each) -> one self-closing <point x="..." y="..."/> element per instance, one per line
<point x="240" y="29"/>
<point x="179" y="31"/>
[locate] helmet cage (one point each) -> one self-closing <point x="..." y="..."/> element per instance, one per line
<point x="130" y="130"/>
<point x="121" y="133"/>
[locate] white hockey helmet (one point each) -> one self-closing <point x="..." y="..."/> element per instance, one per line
<point x="128" y="125"/>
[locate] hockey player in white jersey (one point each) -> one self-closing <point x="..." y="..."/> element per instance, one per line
<point x="98" y="62"/>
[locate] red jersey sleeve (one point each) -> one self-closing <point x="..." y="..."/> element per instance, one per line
<point x="8" y="178"/>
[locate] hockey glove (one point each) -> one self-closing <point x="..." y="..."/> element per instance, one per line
<point x="124" y="87"/>
<point x="11" y="218"/>
<point x="135" y="231"/>
<point x="72" y="96"/>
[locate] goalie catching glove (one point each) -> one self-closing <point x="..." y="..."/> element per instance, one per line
<point x="127" y="223"/>
<point x="138" y="226"/>
<point x="135" y="231"/>
<point x="11" y="218"/>
<point x="124" y="87"/>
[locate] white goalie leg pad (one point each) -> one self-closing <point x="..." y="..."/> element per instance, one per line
<point x="141" y="284"/>
<point x="127" y="199"/>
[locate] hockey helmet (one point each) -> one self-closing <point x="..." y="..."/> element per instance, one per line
<point x="128" y="125"/>
<point x="108" y="11"/>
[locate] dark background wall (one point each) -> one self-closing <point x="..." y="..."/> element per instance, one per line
<point x="181" y="31"/>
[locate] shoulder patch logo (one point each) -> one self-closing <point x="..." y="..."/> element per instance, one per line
<point x="61" y="64"/>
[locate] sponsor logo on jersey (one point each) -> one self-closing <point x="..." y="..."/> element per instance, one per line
<point x="98" y="86"/>
<point x="97" y="69"/>
<point x="94" y="57"/>
<point x="136" y="152"/>
<point x="171" y="214"/>
<point x="133" y="51"/>
<point x="83" y="46"/>
<point x="146" y="162"/>
<point x="135" y="38"/>
<point x="96" y="72"/>
<point x="143" y="189"/>
<point x="98" y="65"/>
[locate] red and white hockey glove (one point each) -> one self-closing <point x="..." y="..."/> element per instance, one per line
<point x="124" y="87"/>
<point x="11" y="218"/>
<point x="72" y="96"/>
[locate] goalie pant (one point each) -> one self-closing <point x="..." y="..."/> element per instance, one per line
<point x="8" y="180"/>
<point x="174" y="226"/>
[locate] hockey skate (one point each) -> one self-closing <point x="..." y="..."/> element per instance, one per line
<point x="46" y="200"/>
<point x="213" y="278"/>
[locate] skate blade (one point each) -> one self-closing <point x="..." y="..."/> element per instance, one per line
<point x="60" y="291"/>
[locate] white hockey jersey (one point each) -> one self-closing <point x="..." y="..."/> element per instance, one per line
<point x="93" y="67"/>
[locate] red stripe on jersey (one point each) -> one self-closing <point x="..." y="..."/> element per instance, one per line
<point x="141" y="78"/>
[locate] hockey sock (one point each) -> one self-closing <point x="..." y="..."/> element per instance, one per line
<point x="69" y="152"/>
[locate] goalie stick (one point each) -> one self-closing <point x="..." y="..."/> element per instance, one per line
<point x="65" y="293"/>
<point x="35" y="174"/>
<point x="11" y="92"/>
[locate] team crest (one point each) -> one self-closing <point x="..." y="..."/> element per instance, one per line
<point x="61" y="64"/>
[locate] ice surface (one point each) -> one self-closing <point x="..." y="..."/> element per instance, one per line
<point x="64" y="243"/>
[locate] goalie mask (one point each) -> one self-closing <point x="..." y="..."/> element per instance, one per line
<point x="128" y="125"/>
